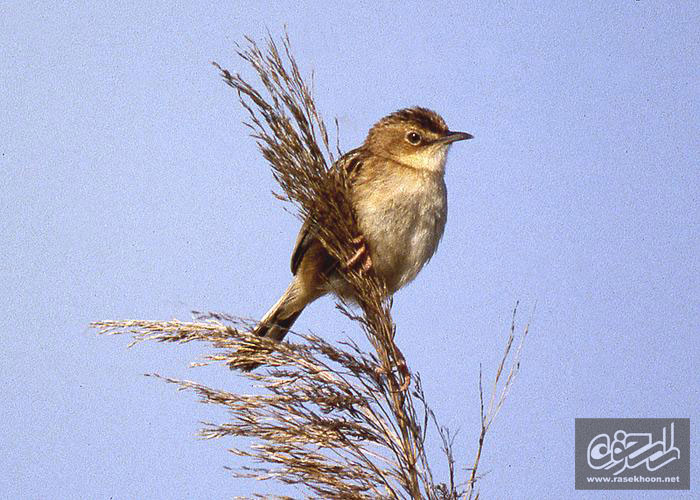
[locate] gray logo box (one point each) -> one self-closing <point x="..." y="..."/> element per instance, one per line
<point x="632" y="453"/>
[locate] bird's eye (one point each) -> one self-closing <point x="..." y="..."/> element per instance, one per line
<point x="413" y="137"/>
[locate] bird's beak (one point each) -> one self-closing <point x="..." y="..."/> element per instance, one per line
<point x="451" y="137"/>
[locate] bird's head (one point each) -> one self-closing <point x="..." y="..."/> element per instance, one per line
<point x="416" y="137"/>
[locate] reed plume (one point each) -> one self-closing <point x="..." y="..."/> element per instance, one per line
<point x="339" y="420"/>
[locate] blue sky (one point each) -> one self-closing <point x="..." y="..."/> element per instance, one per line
<point x="130" y="189"/>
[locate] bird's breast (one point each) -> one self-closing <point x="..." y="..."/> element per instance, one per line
<point x="402" y="221"/>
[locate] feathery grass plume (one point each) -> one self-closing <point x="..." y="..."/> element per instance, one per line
<point x="333" y="418"/>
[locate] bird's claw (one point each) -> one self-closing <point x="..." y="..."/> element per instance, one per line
<point x="403" y="371"/>
<point x="361" y="255"/>
<point x="405" y="375"/>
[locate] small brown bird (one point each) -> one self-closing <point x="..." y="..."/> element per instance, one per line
<point x="398" y="192"/>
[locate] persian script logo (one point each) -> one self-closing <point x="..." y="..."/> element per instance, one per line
<point x="629" y="450"/>
<point x="632" y="453"/>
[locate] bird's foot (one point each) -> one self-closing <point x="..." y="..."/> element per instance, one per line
<point x="403" y="372"/>
<point x="361" y="255"/>
<point x="405" y="375"/>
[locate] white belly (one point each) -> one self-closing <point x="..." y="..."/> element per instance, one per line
<point x="402" y="225"/>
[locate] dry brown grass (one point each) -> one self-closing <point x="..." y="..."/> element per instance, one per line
<point x="333" y="417"/>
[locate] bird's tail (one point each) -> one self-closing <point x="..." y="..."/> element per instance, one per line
<point x="279" y="319"/>
<point x="281" y="316"/>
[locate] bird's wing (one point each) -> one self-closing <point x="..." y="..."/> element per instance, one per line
<point x="351" y="162"/>
<point x="304" y="240"/>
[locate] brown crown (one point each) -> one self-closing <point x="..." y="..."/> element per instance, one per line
<point x="421" y="118"/>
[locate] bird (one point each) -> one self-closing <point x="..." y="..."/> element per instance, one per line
<point x="397" y="190"/>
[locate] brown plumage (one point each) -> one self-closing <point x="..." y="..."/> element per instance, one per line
<point x="399" y="197"/>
